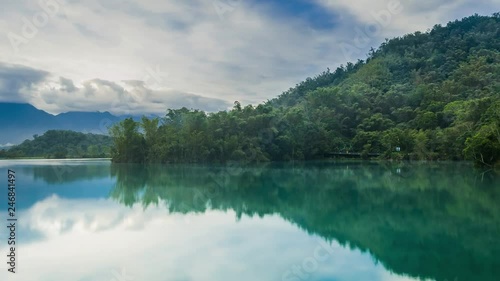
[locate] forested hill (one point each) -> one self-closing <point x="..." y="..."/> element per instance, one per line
<point x="435" y="95"/>
<point x="62" y="144"/>
<point x="402" y="64"/>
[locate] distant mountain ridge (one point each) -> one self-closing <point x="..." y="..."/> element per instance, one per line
<point x="20" y="121"/>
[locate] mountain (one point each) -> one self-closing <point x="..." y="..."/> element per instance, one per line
<point x="23" y="115"/>
<point x="422" y="96"/>
<point x="20" y="121"/>
<point x="85" y="120"/>
<point x="62" y="144"/>
<point x="416" y="62"/>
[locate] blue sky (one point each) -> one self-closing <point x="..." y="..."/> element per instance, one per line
<point x="311" y="13"/>
<point x="131" y="56"/>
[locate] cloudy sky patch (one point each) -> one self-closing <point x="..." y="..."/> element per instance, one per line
<point x="65" y="55"/>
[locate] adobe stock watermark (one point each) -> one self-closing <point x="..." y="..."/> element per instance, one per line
<point x="153" y="78"/>
<point x="363" y="37"/>
<point x="121" y="276"/>
<point x="61" y="170"/>
<point x="310" y="264"/>
<point x="31" y="26"/>
<point x="201" y="198"/>
<point x="104" y="126"/>
<point x="224" y="7"/>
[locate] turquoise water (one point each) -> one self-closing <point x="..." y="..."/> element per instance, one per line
<point x="91" y="220"/>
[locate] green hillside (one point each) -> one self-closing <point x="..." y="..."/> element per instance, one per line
<point x="61" y="144"/>
<point x="435" y="95"/>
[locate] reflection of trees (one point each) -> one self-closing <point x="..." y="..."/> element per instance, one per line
<point x="57" y="174"/>
<point x="429" y="221"/>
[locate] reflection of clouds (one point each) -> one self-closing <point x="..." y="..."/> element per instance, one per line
<point x="88" y="239"/>
<point x="46" y="217"/>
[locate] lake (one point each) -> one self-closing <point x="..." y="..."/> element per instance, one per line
<point x="91" y="220"/>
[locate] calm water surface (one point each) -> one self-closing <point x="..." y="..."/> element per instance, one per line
<point x="90" y="220"/>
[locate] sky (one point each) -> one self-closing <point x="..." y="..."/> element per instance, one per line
<point x="143" y="57"/>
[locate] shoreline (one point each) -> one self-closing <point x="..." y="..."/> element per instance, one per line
<point x="54" y="159"/>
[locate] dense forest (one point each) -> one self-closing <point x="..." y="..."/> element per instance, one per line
<point x="61" y="144"/>
<point x="428" y="96"/>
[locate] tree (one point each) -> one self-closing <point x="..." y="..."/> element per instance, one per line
<point x="129" y="144"/>
<point x="484" y="146"/>
<point x="433" y="94"/>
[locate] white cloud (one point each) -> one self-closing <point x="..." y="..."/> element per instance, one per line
<point x="6" y="145"/>
<point x="376" y="20"/>
<point x="16" y="79"/>
<point x="123" y="97"/>
<point x="249" y="55"/>
<point x="413" y="16"/>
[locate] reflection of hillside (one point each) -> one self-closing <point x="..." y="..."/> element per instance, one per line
<point x="430" y="221"/>
<point x="57" y="174"/>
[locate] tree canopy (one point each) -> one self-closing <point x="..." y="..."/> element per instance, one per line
<point x="62" y="144"/>
<point x="434" y="95"/>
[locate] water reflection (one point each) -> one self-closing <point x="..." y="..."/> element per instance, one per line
<point x="381" y="222"/>
<point x="436" y="221"/>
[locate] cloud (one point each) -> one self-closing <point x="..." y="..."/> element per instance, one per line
<point x="250" y="51"/>
<point x="38" y="87"/>
<point x="67" y="85"/>
<point x="6" y="145"/>
<point x="124" y="97"/>
<point x="247" y="55"/>
<point x="16" y="80"/>
<point x="413" y="15"/>
<point x="372" y="21"/>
